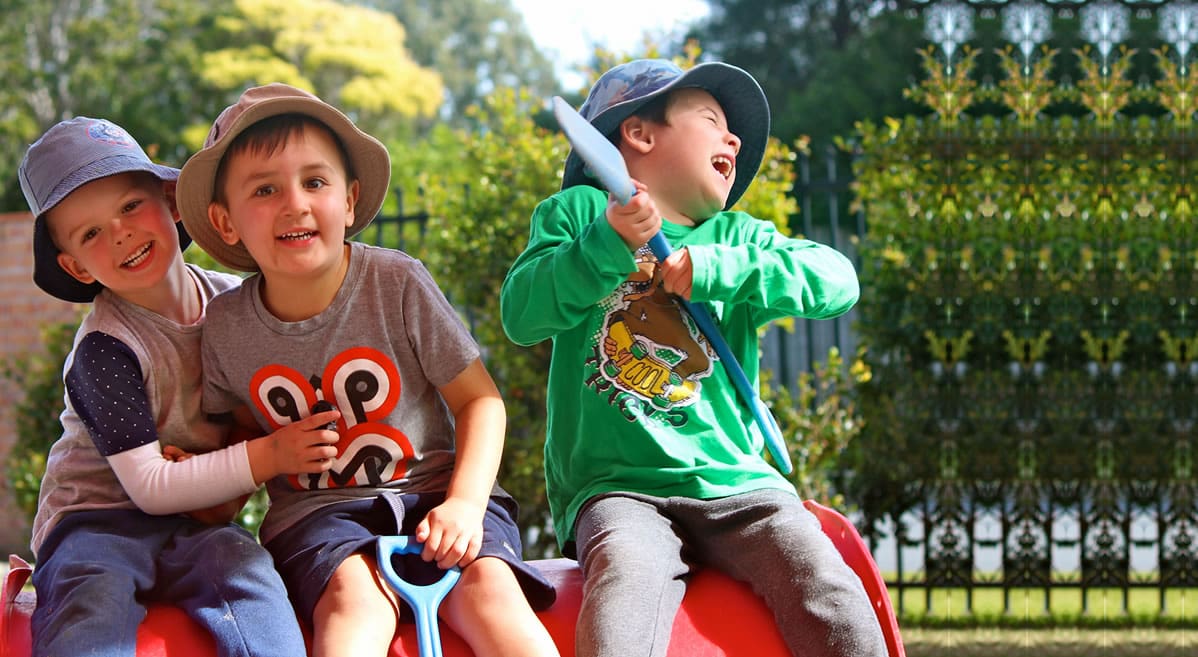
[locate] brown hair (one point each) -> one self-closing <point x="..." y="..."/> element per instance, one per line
<point x="268" y="136"/>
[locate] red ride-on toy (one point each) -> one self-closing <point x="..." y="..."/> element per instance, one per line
<point x="720" y="617"/>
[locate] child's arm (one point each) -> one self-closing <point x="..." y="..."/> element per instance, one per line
<point x="452" y="532"/>
<point x="227" y="511"/>
<point x="107" y="391"/>
<point x="159" y="485"/>
<point x="573" y="260"/>
<point x="303" y="446"/>
<point x="776" y="275"/>
<point x="267" y="454"/>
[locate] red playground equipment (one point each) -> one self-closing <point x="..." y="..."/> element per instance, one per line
<point x="719" y="617"/>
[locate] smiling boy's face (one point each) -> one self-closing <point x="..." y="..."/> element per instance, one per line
<point x="290" y="207"/>
<point x="119" y="231"/>
<point x="688" y="162"/>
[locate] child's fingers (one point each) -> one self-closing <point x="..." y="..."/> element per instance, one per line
<point x="172" y="453"/>
<point x="321" y="434"/>
<point x="309" y="451"/>
<point x="430" y="536"/>
<point x="468" y="547"/>
<point x="320" y="459"/>
<point x="678" y="283"/>
<point x="451" y="548"/>
<point x="429" y="553"/>
<point x="322" y="420"/>
<point x="677" y="273"/>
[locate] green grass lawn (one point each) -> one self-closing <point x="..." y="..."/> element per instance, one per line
<point x="1033" y="628"/>
<point x="1060" y="608"/>
<point x="1059" y="642"/>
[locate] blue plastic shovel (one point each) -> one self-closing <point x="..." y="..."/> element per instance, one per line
<point x="423" y="599"/>
<point x="606" y="163"/>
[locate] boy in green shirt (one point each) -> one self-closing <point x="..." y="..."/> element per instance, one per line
<point x="654" y="466"/>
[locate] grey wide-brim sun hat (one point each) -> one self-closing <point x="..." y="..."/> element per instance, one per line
<point x="623" y="90"/>
<point x="368" y="157"/>
<point x="69" y="155"/>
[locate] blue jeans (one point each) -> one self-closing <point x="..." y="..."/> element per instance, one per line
<point x="97" y="571"/>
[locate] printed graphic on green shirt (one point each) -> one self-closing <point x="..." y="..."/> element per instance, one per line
<point x="651" y="347"/>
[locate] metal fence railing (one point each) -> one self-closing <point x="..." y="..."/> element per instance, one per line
<point x="823" y="193"/>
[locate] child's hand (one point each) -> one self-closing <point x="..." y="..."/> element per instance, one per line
<point x="452" y="533"/>
<point x="678" y="273"/>
<point x="304" y="446"/>
<point x="174" y="454"/>
<point x="636" y="222"/>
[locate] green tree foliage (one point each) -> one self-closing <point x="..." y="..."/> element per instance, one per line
<point x="480" y="205"/>
<point x="477" y="46"/>
<point x="36" y="414"/>
<point x="824" y="64"/>
<point x="351" y="56"/>
<point x="164" y="69"/>
<point x="130" y="61"/>
<point x="819" y="419"/>
<point x="1029" y="288"/>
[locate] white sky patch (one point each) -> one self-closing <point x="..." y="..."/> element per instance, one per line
<point x="567" y="31"/>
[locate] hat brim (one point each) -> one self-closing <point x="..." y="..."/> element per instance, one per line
<point x="368" y="157"/>
<point x="744" y="105"/>
<point x="103" y="168"/>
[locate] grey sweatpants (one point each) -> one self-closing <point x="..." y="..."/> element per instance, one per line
<point x="636" y="552"/>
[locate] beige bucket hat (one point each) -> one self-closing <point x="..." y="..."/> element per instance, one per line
<point x="368" y="157"/>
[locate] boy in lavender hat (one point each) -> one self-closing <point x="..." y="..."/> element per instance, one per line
<point x="654" y="466"/>
<point x="111" y="533"/>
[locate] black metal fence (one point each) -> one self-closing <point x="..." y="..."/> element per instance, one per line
<point x="824" y="198"/>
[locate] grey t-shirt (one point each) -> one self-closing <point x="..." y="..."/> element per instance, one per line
<point x="378" y="353"/>
<point x="132" y="377"/>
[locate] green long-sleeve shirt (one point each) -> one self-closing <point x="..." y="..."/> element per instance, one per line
<point x="637" y="399"/>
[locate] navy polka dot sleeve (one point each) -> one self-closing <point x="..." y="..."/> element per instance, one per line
<point x="105" y="387"/>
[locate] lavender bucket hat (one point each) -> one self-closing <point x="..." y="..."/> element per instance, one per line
<point x="69" y="155"/>
<point x="623" y="90"/>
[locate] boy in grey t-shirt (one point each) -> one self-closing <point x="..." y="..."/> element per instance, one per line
<point x="110" y="533"/>
<point x="282" y="180"/>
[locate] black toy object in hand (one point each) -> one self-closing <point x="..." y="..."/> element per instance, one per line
<point x="320" y="407"/>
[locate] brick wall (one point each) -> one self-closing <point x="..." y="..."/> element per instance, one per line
<point x="24" y="310"/>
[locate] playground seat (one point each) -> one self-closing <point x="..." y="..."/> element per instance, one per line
<point x="719" y="617"/>
<point x="856" y="554"/>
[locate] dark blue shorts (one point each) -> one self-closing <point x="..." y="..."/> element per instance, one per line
<point x="308" y="552"/>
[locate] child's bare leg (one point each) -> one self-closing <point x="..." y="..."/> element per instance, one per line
<point x="357" y="614"/>
<point x="488" y="610"/>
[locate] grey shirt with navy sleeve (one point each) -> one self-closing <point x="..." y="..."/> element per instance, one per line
<point x="377" y="353"/>
<point x="132" y="377"/>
